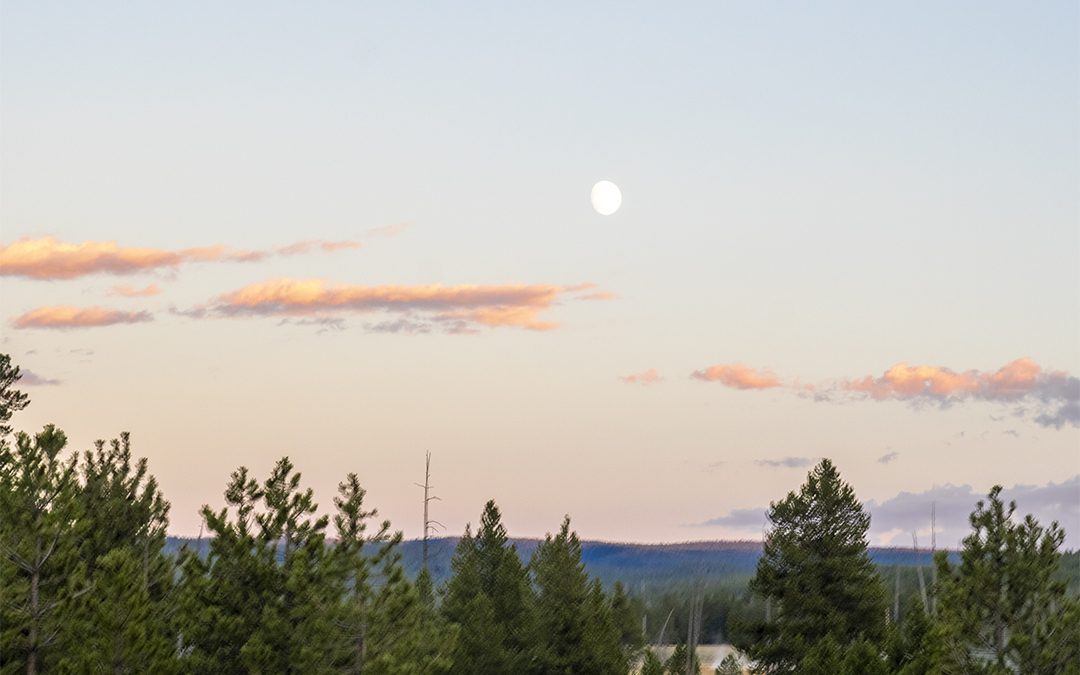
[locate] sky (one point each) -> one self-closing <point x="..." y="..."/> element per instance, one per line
<point x="353" y="233"/>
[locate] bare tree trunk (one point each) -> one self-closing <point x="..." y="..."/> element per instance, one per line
<point x="918" y="569"/>
<point x="896" y="598"/>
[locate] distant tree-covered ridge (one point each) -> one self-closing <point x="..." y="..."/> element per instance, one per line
<point x="90" y="582"/>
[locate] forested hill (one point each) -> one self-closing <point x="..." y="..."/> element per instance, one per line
<point x="635" y="563"/>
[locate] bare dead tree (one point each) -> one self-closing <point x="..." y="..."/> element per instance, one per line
<point x="429" y="524"/>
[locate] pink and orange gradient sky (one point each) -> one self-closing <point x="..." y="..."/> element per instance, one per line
<point x="359" y="233"/>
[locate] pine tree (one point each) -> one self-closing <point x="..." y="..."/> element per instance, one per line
<point x="121" y="628"/>
<point x="627" y="618"/>
<point x="1005" y="608"/>
<point x="11" y="400"/>
<point x="385" y="624"/>
<point x="682" y="660"/>
<point x="651" y="664"/>
<point x="490" y="599"/>
<point x="123" y="622"/>
<point x="913" y="647"/>
<point x="293" y="634"/>
<point x="576" y="632"/>
<point x="816" y="568"/>
<point x="39" y="561"/>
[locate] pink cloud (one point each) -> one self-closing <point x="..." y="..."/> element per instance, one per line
<point x="49" y="258"/>
<point x="647" y="377"/>
<point x="457" y="308"/>
<point x="66" y="317"/>
<point x="126" y="291"/>
<point x="737" y="376"/>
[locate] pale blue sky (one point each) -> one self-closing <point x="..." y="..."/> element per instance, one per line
<point x="822" y="190"/>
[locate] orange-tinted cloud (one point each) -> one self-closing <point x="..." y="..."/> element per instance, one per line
<point x="1054" y="394"/>
<point x="66" y="316"/>
<point x="737" y="376"/>
<point x="313" y="244"/>
<point x="904" y="382"/>
<point x="456" y="308"/>
<point x="126" y="291"/>
<point x="50" y="258"/>
<point x="647" y="377"/>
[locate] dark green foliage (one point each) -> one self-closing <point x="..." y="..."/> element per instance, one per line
<point x="40" y="565"/>
<point x="651" y="664"/>
<point x="815" y="568"/>
<point x="1005" y="608"/>
<point x="729" y="666"/>
<point x="576" y="631"/>
<point x="260" y="601"/>
<point x="627" y="613"/>
<point x="11" y="400"/>
<point x="121" y="627"/>
<point x="913" y="645"/>
<point x="385" y="624"/>
<point x="124" y="620"/>
<point x="680" y="659"/>
<point x="490" y="599"/>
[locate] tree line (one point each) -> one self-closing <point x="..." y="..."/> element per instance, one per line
<point x="87" y="586"/>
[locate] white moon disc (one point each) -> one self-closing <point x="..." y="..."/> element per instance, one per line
<point x="606" y="197"/>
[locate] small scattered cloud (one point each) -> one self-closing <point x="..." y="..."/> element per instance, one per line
<point x="1011" y="432"/>
<point x="786" y="462"/>
<point x="740" y="519"/>
<point x="32" y="379"/>
<point x="388" y="230"/>
<point x="454" y="309"/>
<point x="325" y="324"/>
<point x="737" y="376"/>
<point x="125" y="291"/>
<point x="62" y="317"/>
<point x="48" y="258"/>
<point x="310" y="245"/>
<point x="888" y="457"/>
<point x="646" y="377"/>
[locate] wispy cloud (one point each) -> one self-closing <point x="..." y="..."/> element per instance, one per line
<point x="49" y="258"/>
<point x="737" y="376"/>
<point x="32" y="379"/>
<point x="388" y="230"/>
<point x="888" y="457"/>
<point x="64" y="317"/>
<point x="460" y="308"/>
<point x="125" y="291"/>
<point x="786" y="462"/>
<point x="646" y="377"/>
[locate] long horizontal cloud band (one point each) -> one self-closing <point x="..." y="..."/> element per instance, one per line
<point x="1054" y="395"/>
<point x="68" y="317"/>
<point x="456" y="307"/>
<point x="48" y="258"/>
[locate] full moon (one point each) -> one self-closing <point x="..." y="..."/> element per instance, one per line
<point x="606" y="197"/>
